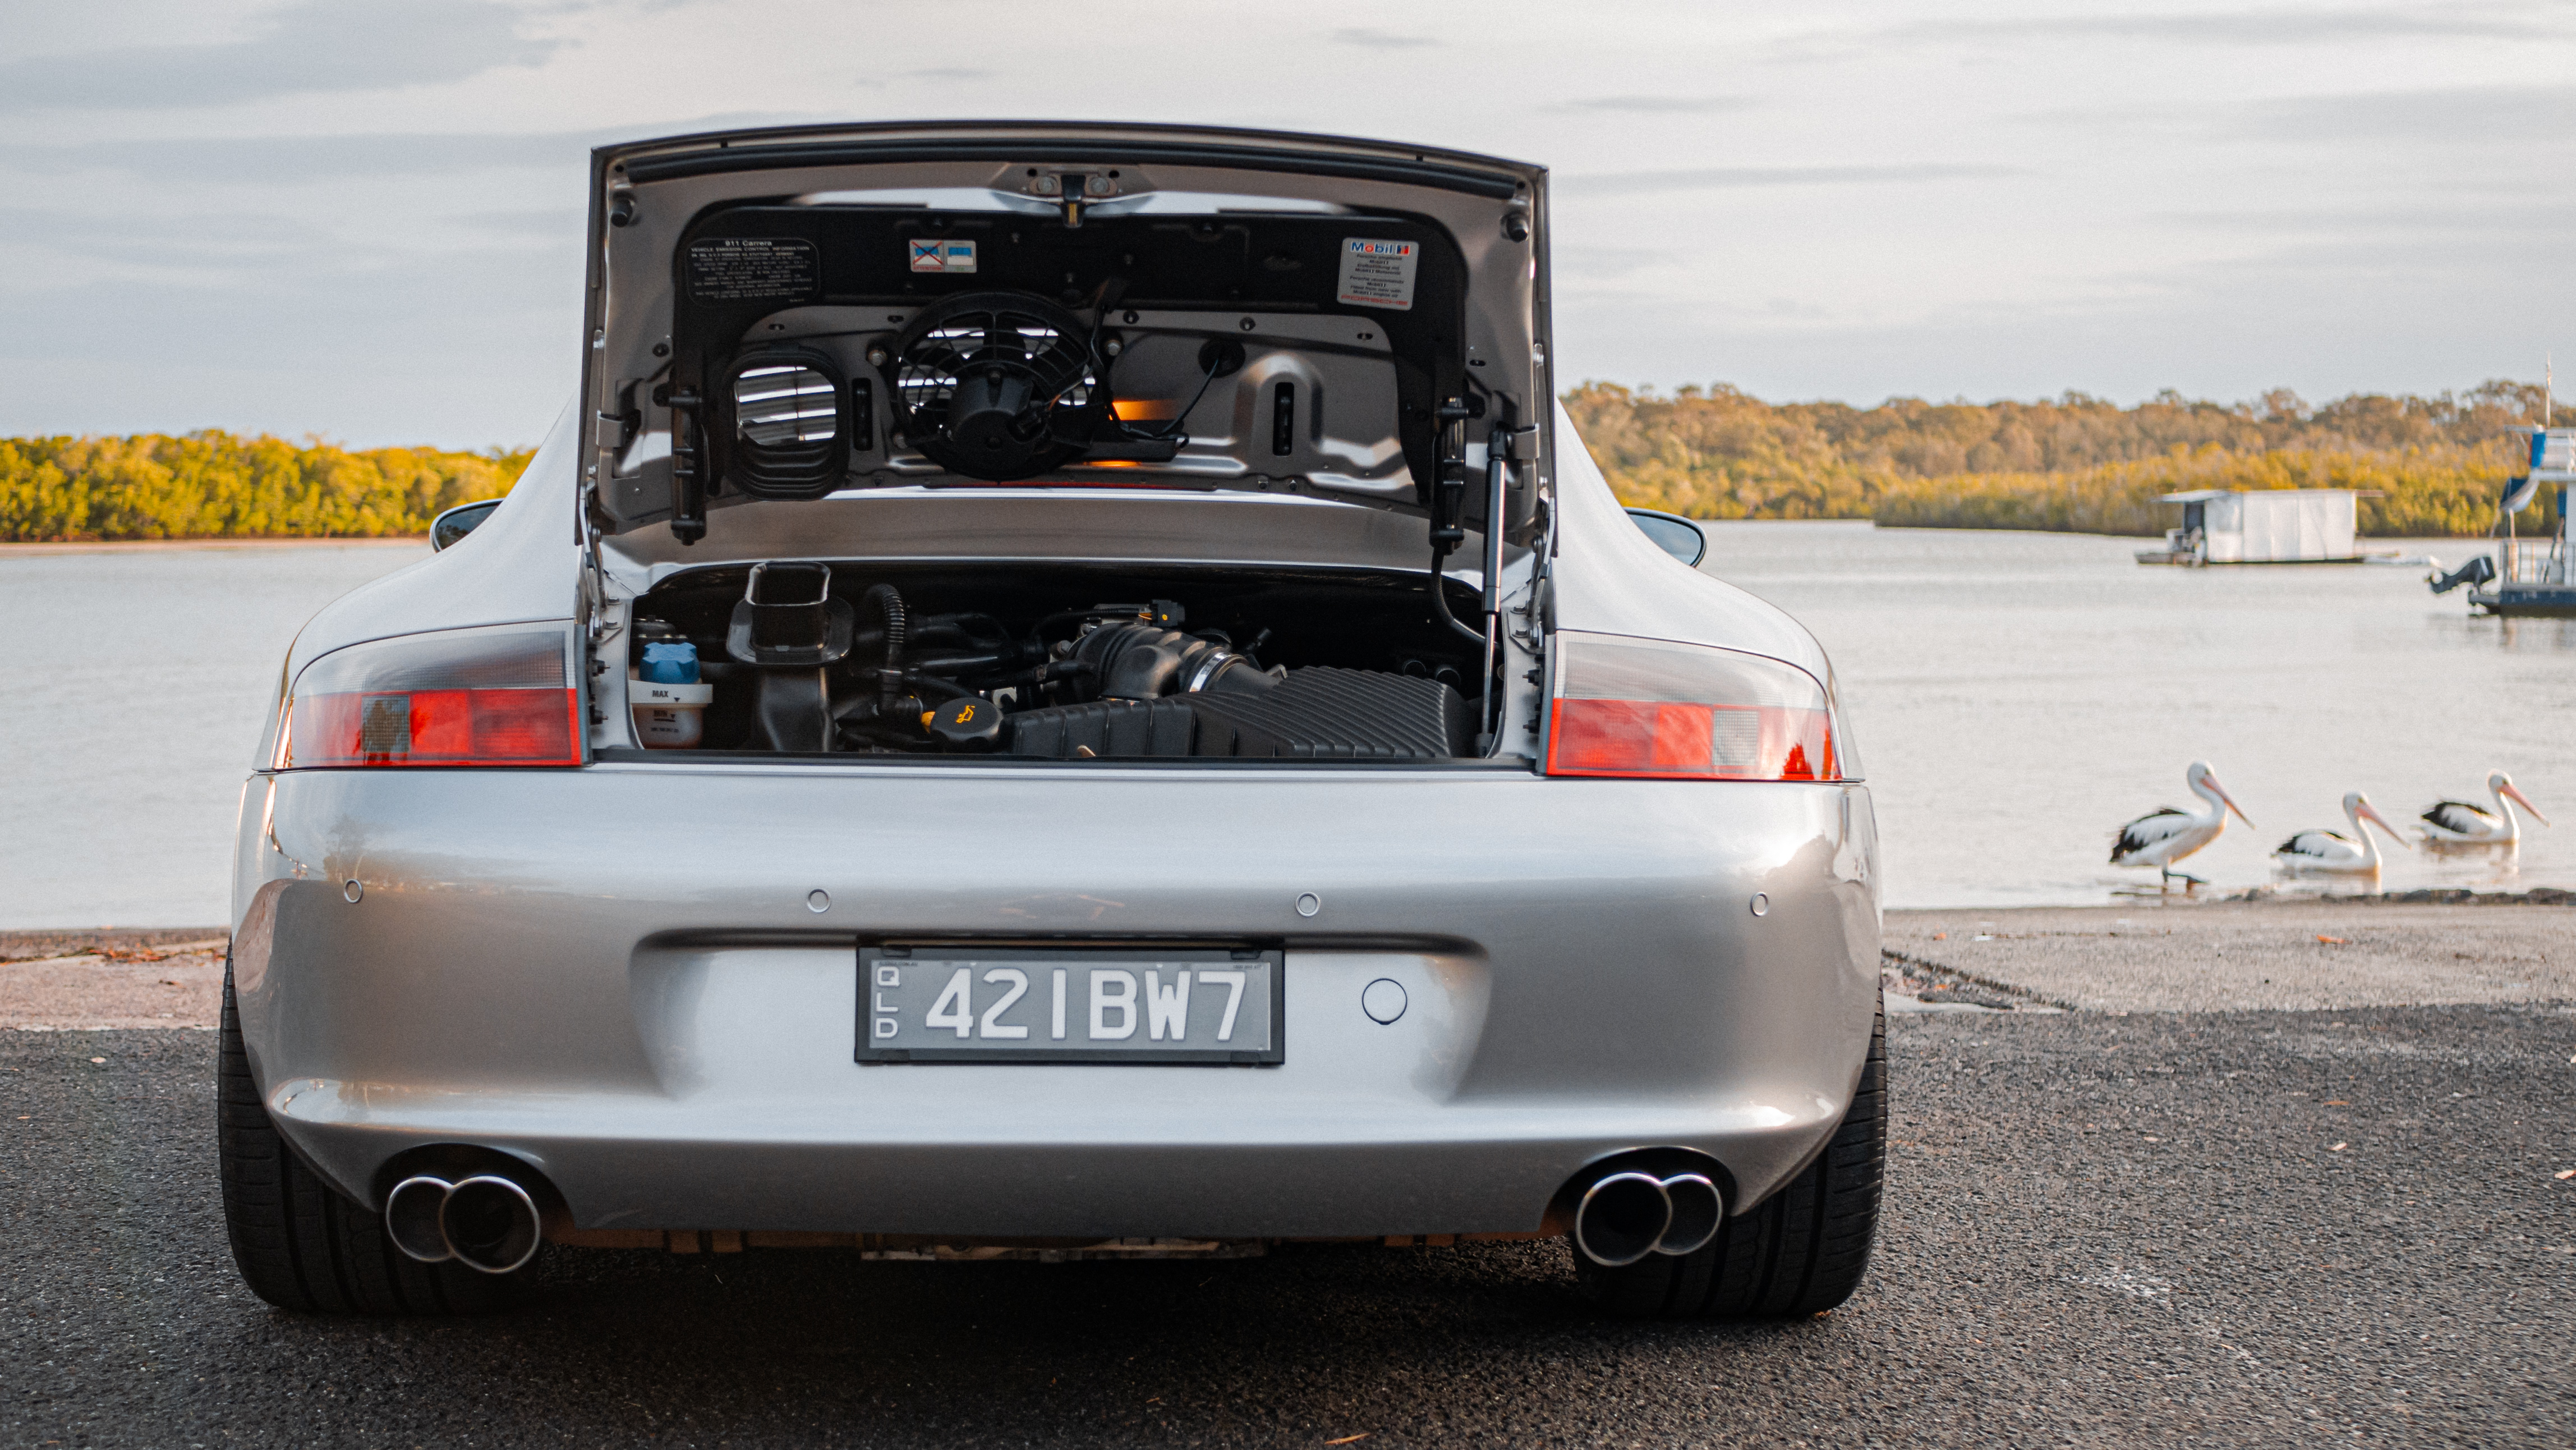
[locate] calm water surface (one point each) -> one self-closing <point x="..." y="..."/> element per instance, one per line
<point x="2017" y="697"/>
<point x="141" y="684"/>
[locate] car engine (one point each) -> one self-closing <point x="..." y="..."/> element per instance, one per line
<point x="801" y="663"/>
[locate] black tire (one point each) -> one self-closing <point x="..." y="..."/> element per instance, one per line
<point x="1800" y="1253"/>
<point x="298" y="1243"/>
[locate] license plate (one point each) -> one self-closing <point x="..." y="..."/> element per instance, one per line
<point x="973" y="1004"/>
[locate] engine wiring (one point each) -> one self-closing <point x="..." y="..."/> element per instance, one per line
<point x="1171" y="432"/>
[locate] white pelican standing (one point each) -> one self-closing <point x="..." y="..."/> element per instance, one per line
<point x="2335" y="853"/>
<point x="2457" y="823"/>
<point x="2163" y="837"/>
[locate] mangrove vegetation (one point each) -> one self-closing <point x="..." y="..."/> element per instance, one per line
<point x="2074" y="463"/>
<point x="2434" y="465"/>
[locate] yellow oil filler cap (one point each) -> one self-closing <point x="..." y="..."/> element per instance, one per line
<point x="967" y="724"/>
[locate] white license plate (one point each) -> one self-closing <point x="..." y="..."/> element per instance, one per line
<point x="936" y="1003"/>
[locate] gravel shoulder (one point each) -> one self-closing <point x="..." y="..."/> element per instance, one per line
<point x="2228" y="957"/>
<point x="69" y="981"/>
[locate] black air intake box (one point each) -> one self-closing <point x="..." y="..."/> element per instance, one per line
<point x="1317" y="714"/>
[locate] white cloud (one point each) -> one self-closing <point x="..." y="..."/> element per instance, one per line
<point x="313" y="46"/>
<point x="363" y="219"/>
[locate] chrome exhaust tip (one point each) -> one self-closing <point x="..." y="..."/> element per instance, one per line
<point x="490" y="1223"/>
<point x="411" y="1218"/>
<point x="1698" y="1208"/>
<point x="1621" y="1219"/>
<point x="486" y="1222"/>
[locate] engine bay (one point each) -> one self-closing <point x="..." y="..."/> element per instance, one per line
<point x="1063" y="662"/>
<point x="799" y="337"/>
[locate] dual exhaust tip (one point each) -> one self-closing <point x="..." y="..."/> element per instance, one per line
<point x="486" y="1222"/>
<point x="1626" y="1216"/>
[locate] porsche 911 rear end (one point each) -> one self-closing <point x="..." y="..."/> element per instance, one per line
<point x="1064" y="691"/>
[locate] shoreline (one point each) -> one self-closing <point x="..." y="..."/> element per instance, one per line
<point x="2409" y="537"/>
<point x="2270" y="896"/>
<point x="52" y="943"/>
<point x="149" y="546"/>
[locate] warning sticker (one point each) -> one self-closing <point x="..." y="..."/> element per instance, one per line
<point x="1378" y="274"/>
<point x="755" y="269"/>
<point x="931" y="254"/>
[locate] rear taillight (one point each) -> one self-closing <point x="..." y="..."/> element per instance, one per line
<point x="1644" y="708"/>
<point x="496" y="696"/>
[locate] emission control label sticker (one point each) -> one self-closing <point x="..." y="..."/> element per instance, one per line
<point x="1378" y="274"/>
<point x="931" y="254"/>
<point x="754" y="269"/>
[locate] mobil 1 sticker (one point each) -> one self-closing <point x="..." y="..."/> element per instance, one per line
<point x="987" y="1004"/>
<point x="1378" y="273"/>
<point x="754" y="269"/>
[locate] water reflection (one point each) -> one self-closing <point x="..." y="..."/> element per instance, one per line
<point x="2517" y="633"/>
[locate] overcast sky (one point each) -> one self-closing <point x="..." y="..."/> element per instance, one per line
<point x="363" y="220"/>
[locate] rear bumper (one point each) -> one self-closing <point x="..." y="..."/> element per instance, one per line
<point x="614" y="974"/>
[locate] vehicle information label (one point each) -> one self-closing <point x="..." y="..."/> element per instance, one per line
<point x="1378" y="273"/>
<point x="755" y="269"/>
<point x="966" y="1004"/>
<point x="933" y="254"/>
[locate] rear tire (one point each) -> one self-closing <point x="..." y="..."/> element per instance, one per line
<point x="299" y="1244"/>
<point x="1800" y="1253"/>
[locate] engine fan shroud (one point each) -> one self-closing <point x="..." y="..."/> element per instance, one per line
<point x="996" y="385"/>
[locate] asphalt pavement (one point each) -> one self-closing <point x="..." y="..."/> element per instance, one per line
<point x="2254" y="1228"/>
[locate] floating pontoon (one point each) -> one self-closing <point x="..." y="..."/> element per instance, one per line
<point x="2265" y="526"/>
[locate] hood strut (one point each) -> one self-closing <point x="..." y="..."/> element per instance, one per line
<point x="1448" y="503"/>
<point x="688" y="466"/>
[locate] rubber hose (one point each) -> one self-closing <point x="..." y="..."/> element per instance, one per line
<point x="889" y="606"/>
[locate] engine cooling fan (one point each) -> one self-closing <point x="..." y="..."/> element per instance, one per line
<point x="996" y="385"/>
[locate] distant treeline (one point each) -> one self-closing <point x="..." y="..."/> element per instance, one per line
<point x="215" y="485"/>
<point x="2077" y="464"/>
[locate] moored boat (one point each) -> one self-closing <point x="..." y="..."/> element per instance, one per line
<point x="2527" y="576"/>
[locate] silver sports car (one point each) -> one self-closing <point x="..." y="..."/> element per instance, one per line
<point x="1063" y="691"/>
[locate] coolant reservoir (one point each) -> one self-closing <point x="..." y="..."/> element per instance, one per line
<point x="669" y="700"/>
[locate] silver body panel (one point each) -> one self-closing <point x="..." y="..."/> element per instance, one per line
<point x="614" y="972"/>
<point x="651" y="1013"/>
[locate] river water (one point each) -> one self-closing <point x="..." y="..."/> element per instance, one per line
<point x="136" y="694"/>
<point x="2017" y="696"/>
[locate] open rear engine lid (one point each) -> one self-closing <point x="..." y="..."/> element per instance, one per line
<point x="788" y="314"/>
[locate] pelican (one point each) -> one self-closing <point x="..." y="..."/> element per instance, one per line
<point x="2336" y="853"/>
<point x="2457" y="823"/>
<point x="2165" y="836"/>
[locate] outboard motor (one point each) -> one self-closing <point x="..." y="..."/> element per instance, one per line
<point x="2479" y="570"/>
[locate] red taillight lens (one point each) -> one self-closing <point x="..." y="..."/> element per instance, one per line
<point x="455" y="697"/>
<point x="1642" y="708"/>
